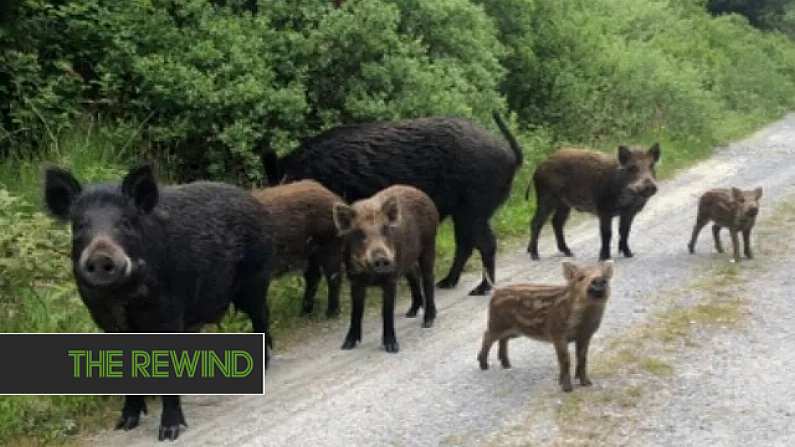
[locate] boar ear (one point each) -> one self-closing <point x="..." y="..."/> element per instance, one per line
<point x="737" y="194"/>
<point x="654" y="152"/>
<point x="758" y="192"/>
<point x="391" y="209"/>
<point x="607" y="269"/>
<point x="624" y="155"/>
<point x="570" y="271"/>
<point x="343" y="218"/>
<point x="60" y="191"/>
<point x="139" y="185"/>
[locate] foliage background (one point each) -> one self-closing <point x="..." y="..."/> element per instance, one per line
<point x="201" y="87"/>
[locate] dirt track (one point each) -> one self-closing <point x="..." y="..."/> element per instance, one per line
<point x="432" y="392"/>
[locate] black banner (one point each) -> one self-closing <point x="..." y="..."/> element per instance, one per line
<point x="148" y="364"/>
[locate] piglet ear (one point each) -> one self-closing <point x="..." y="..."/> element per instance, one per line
<point x="140" y="186"/>
<point x="60" y="191"/>
<point x="737" y="195"/>
<point x="624" y="155"/>
<point x="758" y="192"/>
<point x="607" y="269"/>
<point x="654" y="152"/>
<point x="343" y="218"/>
<point x="570" y="271"/>
<point x="391" y="209"/>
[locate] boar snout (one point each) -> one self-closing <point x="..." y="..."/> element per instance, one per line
<point x="752" y="211"/>
<point x="104" y="263"/>
<point x="381" y="262"/>
<point x="645" y="188"/>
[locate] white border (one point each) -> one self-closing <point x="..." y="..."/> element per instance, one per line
<point x="264" y="370"/>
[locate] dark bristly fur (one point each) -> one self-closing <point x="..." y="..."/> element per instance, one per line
<point x="594" y="182"/>
<point x="304" y="237"/>
<point x="728" y="208"/>
<point x="558" y="314"/>
<point x="388" y="236"/>
<point x="163" y="259"/>
<point x="465" y="170"/>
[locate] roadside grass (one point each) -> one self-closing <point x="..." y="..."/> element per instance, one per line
<point x="104" y="151"/>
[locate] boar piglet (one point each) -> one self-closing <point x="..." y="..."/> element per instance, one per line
<point x="730" y="208"/>
<point x="163" y="259"/>
<point x="304" y="237"/>
<point x="386" y="237"/>
<point x="594" y="182"/>
<point x="558" y="314"/>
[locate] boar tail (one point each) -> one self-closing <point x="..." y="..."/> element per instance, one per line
<point x="517" y="150"/>
<point x="270" y="164"/>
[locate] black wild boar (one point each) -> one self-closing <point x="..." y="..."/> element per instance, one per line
<point x="731" y="208"/>
<point x="387" y="236"/>
<point x="551" y="313"/>
<point x="304" y="237"/>
<point x="163" y="259"/>
<point x="591" y="181"/>
<point x="465" y="170"/>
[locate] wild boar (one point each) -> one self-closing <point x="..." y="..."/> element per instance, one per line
<point x="558" y="314"/>
<point x="148" y="258"/>
<point x="304" y="237"/>
<point x="591" y="181"/>
<point x="463" y="168"/>
<point x="730" y="208"/>
<point x="386" y="237"/>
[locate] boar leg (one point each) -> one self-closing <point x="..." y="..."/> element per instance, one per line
<point x="388" y="315"/>
<point x="700" y="222"/>
<point x="503" y="352"/>
<point x="131" y="412"/>
<point x="606" y="231"/>
<point x="558" y="221"/>
<point x="747" y="243"/>
<point x="581" y="373"/>
<point x="171" y="419"/>
<point x="464" y="244"/>
<point x="483" y="356"/>
<point x="332" y="263"/>
<point x="716" y="236"/>
<point x="311" y="282"/>
<point x="562" y="350"/>
<point x="735" y="244"/>
<point x="413" y="277"/>
<point x="624" y="226"/>
<point x="427" y="260"/>
<point x="252" y="298"/>
<point x="487" y="246"/>
<point x="354" y="336"/>
<point x="544" y="207"/>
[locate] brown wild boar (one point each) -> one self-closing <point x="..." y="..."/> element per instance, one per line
<point x="390" y="235"/>
<point x="594" y="182"/>
<point x="731" y="208"/>
<point x="558" y="314"/>
<point x="305" y="237"/>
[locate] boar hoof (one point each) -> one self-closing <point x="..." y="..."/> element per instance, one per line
<point x="482" y="289"/>
<point x="534" y="256"/>
<point x="484" y="364"/>
<point x="566" y="386"/>
<point x="446" y="283"/>
<point x="691" y="248"/>
<point x="333" y="313"/>
<point x="391" y="346"/>
<point x="127" y="422"/>
<point x="350" y="343"/>
<point x="306" y="311"/>
<point x="627" y="253"/>
<point x="604" y="256"/>
<point x="411" y="313"/>
<point x="427" y="323"/>
<point x="170" y="423"/>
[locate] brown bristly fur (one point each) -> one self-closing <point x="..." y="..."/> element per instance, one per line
<point x="558" y="314"/>
<point x="304" y="236"/>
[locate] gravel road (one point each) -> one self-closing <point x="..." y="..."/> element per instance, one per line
<point x="432" y="392"/>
